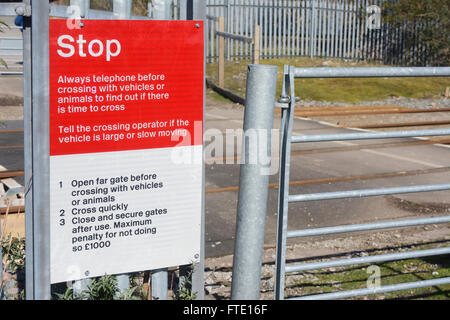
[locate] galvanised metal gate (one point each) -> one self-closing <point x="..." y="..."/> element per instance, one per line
<point x="36" y="120"/>
<point x="346" y="29"/>
<point x="287" y="101"/>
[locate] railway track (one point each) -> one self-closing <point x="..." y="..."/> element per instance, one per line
<point x="364" y="117"/>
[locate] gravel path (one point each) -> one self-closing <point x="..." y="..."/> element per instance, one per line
<point x="401" y="102"/>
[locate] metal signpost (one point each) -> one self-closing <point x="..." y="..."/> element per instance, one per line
<point x="285" y="198"/>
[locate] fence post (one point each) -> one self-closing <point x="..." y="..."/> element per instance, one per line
<point x="256" y="44"/>
<point x="312" y="34"/>
<point x="41" y="151"/>
<point x="221" y="60"/>
<point x="28" y="154"/>
<point x="198" y="10"/>
<point x="253" y="183"/>
<point x="122" y="8"/>
<point x="228" y="10"/>
<point x="159" y="284"/>
<point x="84" y="6"/>
<point x="79" y="286"/>
<point x="161" y="11"/>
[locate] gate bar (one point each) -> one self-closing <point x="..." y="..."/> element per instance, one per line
<point x="28" y="155"/>
<point x="370" y="259"/>
<point x="371" y="72"/>
<point x="369" y="135"/>
<point x="41" y="149"/>
<point x="375" y="290"/>
<point x="366" y="226"/>
<point x="367" y="192"/>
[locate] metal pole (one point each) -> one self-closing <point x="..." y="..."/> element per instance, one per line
<point x="183" y="9"/>
<point x="287" y="120"/>
<point x="1" y="268"/>
<point x="122" y="8"/>
<point x="123" y="282"/>
<point x="79" y="286"/>
<point x="28" y="153"/>
<point x="253" y="185"/>
<point x="84" y="6"/>
<point x="198" y="9"/>
<point x="41" y="150"/>
<point x="313" y="29"/>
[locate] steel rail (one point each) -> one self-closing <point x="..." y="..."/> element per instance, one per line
<point x="372" y="72"/>
<point x="367" y="192"/>
<point x="367" y="226"/>
<point x="369" y="259"/>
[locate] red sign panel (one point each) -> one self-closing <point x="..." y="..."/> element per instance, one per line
<point x="125" y="85"/>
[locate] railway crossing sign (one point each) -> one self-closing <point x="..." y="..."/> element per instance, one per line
<point x="126" y="136"/>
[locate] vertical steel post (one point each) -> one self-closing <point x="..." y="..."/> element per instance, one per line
<point x="80" y="286"/>
<point x="161" y="11"/>
<point x="183" y="9"/>
<point x="283" y="192"/>
<point x="198" y="281"/>
<point x="41" y="149"/>
<point x="227" y="27"/>
<point x="253" y="184"/>
<point x="122" y="8"/>
<point x="159" y="284"/>
<point x="28" y="154"/>
<point x="1" y="268"/>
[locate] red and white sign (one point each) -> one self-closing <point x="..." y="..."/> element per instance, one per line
<point x="126" y="135"/>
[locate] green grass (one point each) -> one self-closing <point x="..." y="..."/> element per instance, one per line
<point x="348" y="278"/>
<point x="216" y="96"/>
<point x="339" y="90"/>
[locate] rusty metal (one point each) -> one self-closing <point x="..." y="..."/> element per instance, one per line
<point x="11" y="131"/>
<point x="404" y="124"/>
<point x="12" y="210"/>
<point x="342" y="112"/>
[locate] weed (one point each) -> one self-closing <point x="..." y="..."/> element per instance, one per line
<point x="13" y="251"/>
<point x="184" y="291"/>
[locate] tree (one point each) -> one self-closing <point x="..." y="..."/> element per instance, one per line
<point x="429" y="18"/>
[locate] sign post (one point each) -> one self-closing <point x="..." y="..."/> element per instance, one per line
<point x="40" y="219"/>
